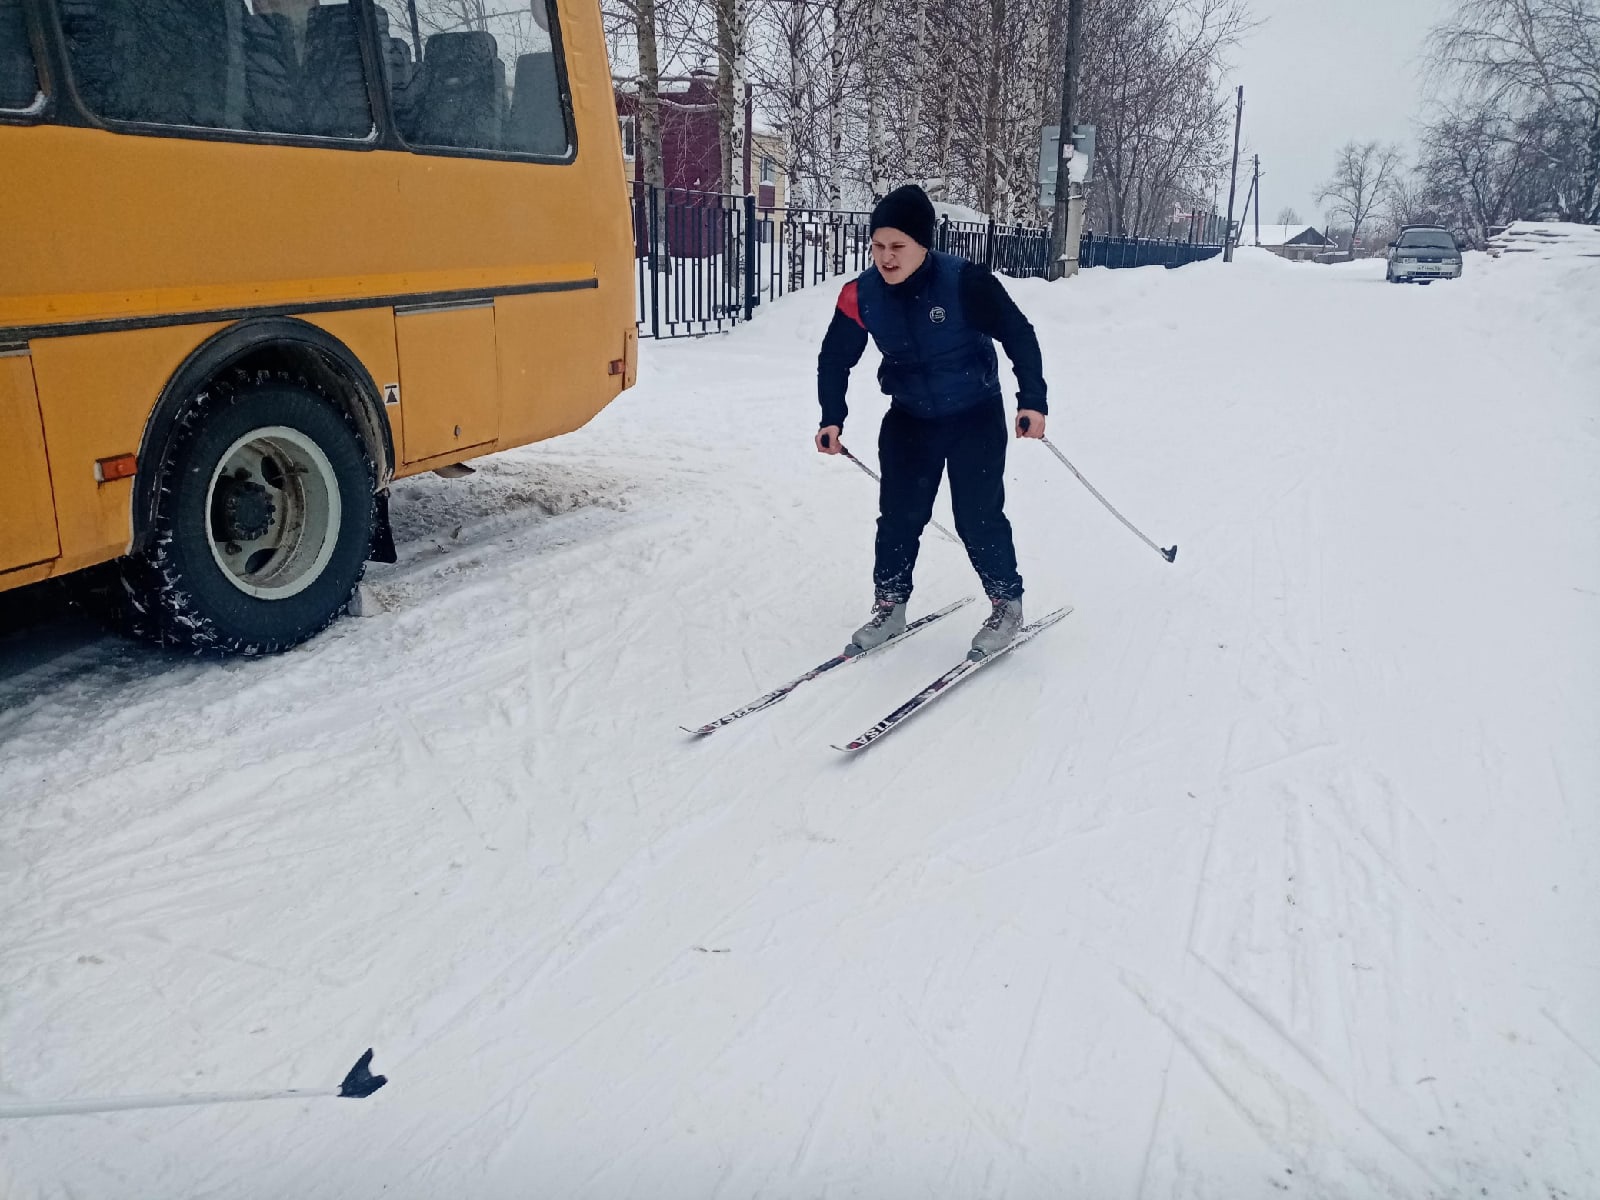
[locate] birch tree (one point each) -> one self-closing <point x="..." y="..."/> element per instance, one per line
<point x="732" y="82"/>
<point x="648" y="82"/>
<point x="1535" y="56"/>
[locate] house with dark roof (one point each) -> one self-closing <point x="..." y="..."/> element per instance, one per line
<point x="1297" y="243"/>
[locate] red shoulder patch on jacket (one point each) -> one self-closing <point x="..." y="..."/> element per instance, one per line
<point x="849" y="305"/>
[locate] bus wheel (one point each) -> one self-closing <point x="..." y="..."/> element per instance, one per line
<point x="263" y="524"/>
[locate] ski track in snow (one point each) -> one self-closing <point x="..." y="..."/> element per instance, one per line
<point x="1266" y="873"/>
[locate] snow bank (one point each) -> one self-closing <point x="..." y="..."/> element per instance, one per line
<point x="960" y="212"/>
<point x="1557" y="241"/>
<point x="1268" y="872"/>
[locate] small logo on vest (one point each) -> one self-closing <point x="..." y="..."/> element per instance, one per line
<point x="936" y="315"/>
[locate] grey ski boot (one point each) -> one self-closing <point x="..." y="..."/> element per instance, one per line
<point x="997" y="631"/>
<point x="888" y="620"/>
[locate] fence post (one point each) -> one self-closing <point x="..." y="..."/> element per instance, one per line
<point x="751" y="295"/>
<point x="988" y="247"/>
<point x="652" y="232"/>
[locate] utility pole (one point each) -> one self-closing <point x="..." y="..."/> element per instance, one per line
<point x="1233" y="180"/>
<point x="1244" y="209"/>
<point x="1255" y="186"/>
<point x="1068" y="219"/>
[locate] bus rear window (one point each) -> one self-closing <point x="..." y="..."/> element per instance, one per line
<point x="485" y="80"/>
<point x="261" y="66"/>
<point x="19" y="82"/>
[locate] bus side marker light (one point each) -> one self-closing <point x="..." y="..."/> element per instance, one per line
<point x="616" y="367"/>
<point x="122" y="466"/>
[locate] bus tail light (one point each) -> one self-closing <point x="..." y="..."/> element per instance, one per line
<point x="122" y="466"/>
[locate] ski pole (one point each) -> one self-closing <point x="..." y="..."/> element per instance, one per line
<point x="357" y="1085"/>
<point x="846" y="452"/>
<point x="1170" y="553"/>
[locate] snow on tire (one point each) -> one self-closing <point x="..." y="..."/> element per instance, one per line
<point x="263" y="522"/>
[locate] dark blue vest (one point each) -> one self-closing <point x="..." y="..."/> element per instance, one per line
<point x="935" y="364"/>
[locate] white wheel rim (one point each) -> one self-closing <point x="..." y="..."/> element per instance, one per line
<point x="282" y="551"/>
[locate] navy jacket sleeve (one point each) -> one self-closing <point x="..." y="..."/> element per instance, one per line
<point x="842" y="347"/>
<point x="993" y="312"/>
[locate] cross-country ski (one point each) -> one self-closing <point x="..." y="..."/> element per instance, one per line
<point x="941" y="686"/>
<point x="849" y="655"/>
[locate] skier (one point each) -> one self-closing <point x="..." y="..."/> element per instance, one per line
<point x="935" y="318"/>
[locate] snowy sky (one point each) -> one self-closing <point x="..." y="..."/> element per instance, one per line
<point x="1319" y="73"/>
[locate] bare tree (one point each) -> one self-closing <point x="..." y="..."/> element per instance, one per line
<point x="1406" y="202"/>
<point x="1521" y="56"/>
<point x="959" y="111"/>
<point x="649" y="85"/>
<point x="785" y="73"/>
<point x="1288" y="216"/>
<point x="732" y="83"/>
<point x="916" y="85"/>
<point x="647" y="38"/>
<point x="1360" y="179"/>
<point x="1477" y="167"/>
<point x="837" y="32"/>
<point x="1150" y="84"/>
<point x="873" y="85"/>
<point x="993" y="95"/>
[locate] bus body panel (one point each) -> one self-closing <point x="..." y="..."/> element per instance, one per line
<point x="368" y="333"/>
<point x="536" y="378"/>
<point x="450" y="390"/>
<point x="28" y="528"/>
<point x="96" y="393"/>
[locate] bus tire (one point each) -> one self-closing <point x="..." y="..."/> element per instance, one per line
<point x="263" y="521"/>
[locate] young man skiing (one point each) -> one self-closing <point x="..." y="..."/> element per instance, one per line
<point x="935" y="318"/>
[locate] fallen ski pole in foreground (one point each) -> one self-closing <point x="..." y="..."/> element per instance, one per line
<point x="1170" y="553"/>
<point x="845" y="451"/>
<point x="357" y="1085"/>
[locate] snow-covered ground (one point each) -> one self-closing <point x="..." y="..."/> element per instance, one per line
<point x="1268" y="872"/>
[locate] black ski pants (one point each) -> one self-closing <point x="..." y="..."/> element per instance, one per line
<point x="913" y="455"/>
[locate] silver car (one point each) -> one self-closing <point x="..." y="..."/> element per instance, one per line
<point x="1423" y="253"/>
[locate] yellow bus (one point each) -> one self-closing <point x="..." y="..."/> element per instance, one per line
<point x="259" y="258"/>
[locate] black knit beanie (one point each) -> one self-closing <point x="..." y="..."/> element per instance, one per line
<point x="907" y="209"/>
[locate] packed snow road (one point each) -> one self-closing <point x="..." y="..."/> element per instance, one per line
<point x="1267" y="872"/>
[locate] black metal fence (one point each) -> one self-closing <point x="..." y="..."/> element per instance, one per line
<point x="690" y="256"/>
<point x="706" y="261"/>
<point x="1141" y="252"/>
<point x="1017" y="250"/>
<point x="799" y="247"/>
